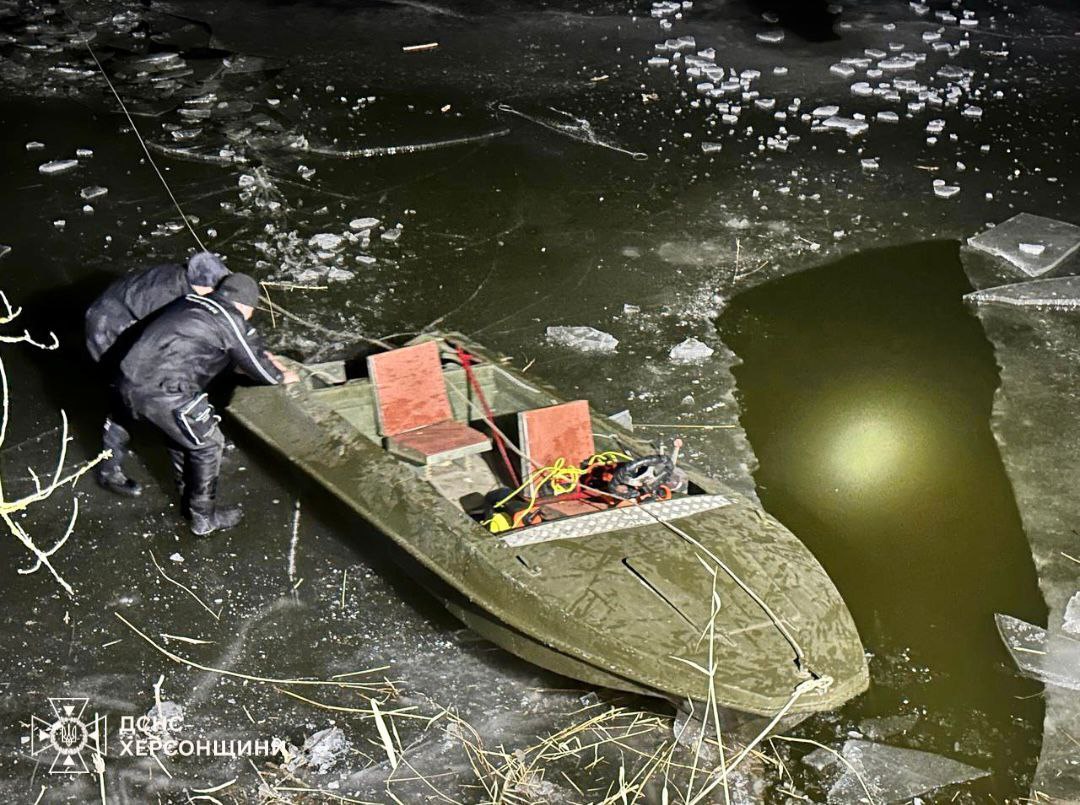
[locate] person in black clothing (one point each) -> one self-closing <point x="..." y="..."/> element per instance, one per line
<point x="131" y="299"/>
<point x="163" y="379"/>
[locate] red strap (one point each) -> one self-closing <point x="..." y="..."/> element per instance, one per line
<point x="489" y="417"/>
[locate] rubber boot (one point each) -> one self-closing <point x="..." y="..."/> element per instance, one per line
<point x="204" y="515"/>
<point x="114" y="480"/>
<point x="110" y="474"/>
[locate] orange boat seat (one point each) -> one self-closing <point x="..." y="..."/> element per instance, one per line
<point x="558" y="431"/>
<point x="413" y="410"/>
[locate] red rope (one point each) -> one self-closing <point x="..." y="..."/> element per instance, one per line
<point x="489" y="417"/>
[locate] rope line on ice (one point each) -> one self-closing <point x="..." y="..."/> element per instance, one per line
<point x="142" y="142"/>
<point x="393" y="150"/>
<point x="577" y="128"/>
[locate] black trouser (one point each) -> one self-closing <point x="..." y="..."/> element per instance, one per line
<point x="196" y="463"/>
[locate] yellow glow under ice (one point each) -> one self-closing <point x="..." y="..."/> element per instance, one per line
<point x="868" y="451"/>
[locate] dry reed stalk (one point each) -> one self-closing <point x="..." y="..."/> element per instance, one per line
<point x="844" y="760"/>
<point x="59" y="480"/>
<point x="185" y="588"/>
<point x="249" y="677"/>
<point x="403" y="712"/>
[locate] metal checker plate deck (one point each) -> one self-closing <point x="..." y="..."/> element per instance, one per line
<point x="616" y="519"/>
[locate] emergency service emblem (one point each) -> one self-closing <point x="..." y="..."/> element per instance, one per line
<point x="67" y="735"/>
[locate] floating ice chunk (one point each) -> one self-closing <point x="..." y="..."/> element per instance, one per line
<point x="1062" y="242"/>
<point x="95" y="191"/>
<point x="870" y="164"/>
<point x="930" y="36"/>
<point x="1051" y="659"/>
<point x="391" y="235"/>
<point x="875" y="53"/>
<point x="973" y="112"/>
<point x="771" y="37"/>
<point x="681" y="44"/>
<point x="935" y="126"/>
<point x="890" y="774"/>
<point x="58" y="166"/>
<point x="339" y="274"/>
<point x="862" y="89"/>
<point x="658" y="61"/>
<point x="59" y="223"/>
<point x="1071" y="621"/>
<point x="842" y="70"/>
<point x="778" y="70"/>
<point x="4" y="249"/>
<point x="360" y="224"/>
<point x="1034" y="249"/>
<point x="898" y="63"/>
<point x="951" y="72"/>
<point x="34" y="145"/>
<point x="325" y="241"/>
<point x="84" y="153"/>
<point x="585" y="339"/>
<point x="770" y="17"/>
<point x="690" y="351"/>
<point x="710" y="147"/>
<point x="888" y="117"/>
<point x="825" y="111"/>
<point x="167" y="716"/>
<point x="320" y="752"/>
<point x="945" y="190"/>
<point x="848" y="125"/>
<point x="886" y="726"/>
<point x="664" y="9"/>
<point x="920" y="8"/>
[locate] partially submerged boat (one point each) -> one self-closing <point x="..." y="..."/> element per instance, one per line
<point x="562" y="537"/>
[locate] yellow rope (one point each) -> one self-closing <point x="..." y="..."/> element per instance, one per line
<point x="564" y="478"/>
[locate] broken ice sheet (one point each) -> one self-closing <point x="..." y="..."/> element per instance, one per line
<point x="889" y="773"/>
<point x="321" y="751"/>
<point x="690" y="351"/>
<point x="1071" y="621"/>
<point x="886" y="726"/>
<point x="57" y="166"/>
<point x="586" y="339"/>
<point x="1053" y="659"/>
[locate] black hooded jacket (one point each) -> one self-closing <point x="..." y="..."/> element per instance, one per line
<point x="187" y="345"/>
<point x="130" y="299"/>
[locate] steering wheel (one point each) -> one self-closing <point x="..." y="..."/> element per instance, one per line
<point x="641" y="476"/>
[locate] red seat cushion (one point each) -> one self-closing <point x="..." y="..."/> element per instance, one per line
<point x="410" y="390"/>
<point x="443" y="441"/>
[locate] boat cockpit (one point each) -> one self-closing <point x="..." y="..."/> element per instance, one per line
<point x="508" y="453"/>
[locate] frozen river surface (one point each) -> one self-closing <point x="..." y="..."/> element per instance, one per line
<point x="502" y="168"/>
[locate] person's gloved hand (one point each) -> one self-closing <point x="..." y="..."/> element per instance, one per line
<point x="288" y="375"/>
